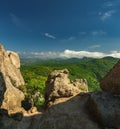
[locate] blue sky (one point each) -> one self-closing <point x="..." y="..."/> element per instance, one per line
<point x="57" y="26"/>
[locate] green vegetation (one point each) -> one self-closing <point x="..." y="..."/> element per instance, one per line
<point x="35" y="73"/>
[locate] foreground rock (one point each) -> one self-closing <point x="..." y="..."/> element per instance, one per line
<point x="111" y="82"/>
<point x="58" y="85"/>
<point x="105" y="109"/>
<point x="10" y="78"/>
<point x="69" y="114"/>
<point x="17" y="121"/>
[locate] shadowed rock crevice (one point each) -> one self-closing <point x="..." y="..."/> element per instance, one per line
<point x="2" y="88"/>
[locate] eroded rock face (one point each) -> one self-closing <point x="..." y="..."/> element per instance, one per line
<point x="111" y="82"/>
<point x="14" y="59"/>
<point x="105" y="109"/>
<point x="2" y="88"/>
<point x="58" y="85"/>
<point x="11" y="78"/>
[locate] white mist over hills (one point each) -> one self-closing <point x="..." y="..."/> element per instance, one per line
<point x="68" y="54"/>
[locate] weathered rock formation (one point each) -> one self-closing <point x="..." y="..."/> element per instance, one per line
<point x="10" y="78"/>
<point x="105" y="105"/>
<point x="72" y="106"/>
<point x="111" y="82"/>
<point x="105" y="109"/>
<point x="58" y="85"/>
<point x="69" y="114"/>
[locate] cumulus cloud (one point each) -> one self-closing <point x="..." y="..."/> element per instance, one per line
<point x="70" y="54"/>
<point x="115" y="54"/>
<point x="50" y="36"/>
<point x="81" y="54"/>
<point x="106" y="15"/>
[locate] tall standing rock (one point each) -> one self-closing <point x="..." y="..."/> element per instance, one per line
<point x="10" y="79"/>
<point x="58" y="85"/>
<point x="111" y="82"/>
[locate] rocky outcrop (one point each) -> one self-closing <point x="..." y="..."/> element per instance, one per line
<point x="105" y="105"/>
<point x="58" y="85"/>
<point x="111" y="82"/>
<point x="10" y="78"/>
<point x="69" y="114"/>
<point x="70" y="106"/>
<point x="105" y="109"/>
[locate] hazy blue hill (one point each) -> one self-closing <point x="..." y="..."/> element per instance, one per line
<point x="31" y="61"/>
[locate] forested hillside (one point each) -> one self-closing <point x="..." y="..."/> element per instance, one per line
<point x="35" y="72"/>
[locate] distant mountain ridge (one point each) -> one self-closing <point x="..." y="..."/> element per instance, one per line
<point x="38" y="60"/>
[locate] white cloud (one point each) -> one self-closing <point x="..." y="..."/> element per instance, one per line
<point x="109" y="7"/>
<point x="50" y="36"/>
<point x="115" y="54"/>
<point x="109" y="4"/>
<point x="70" y="54"/>
<point x="106" y="15"/>
<point x="93" y="33"/>
<point x="81" y="54"/>
<point x="94" y="46"/>
<point x="16" y="20"/>
<point x="83" y="33"/>
<point x="71" y="38"/>
<point x="98" y="33"/>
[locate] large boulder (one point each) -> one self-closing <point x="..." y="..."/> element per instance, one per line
<point x="105" y="109"/>
<point x="69" y="114"/>
<point x="58" y="85"/>
<point x="10" y="78"/>
<point x="111" y="82"/>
